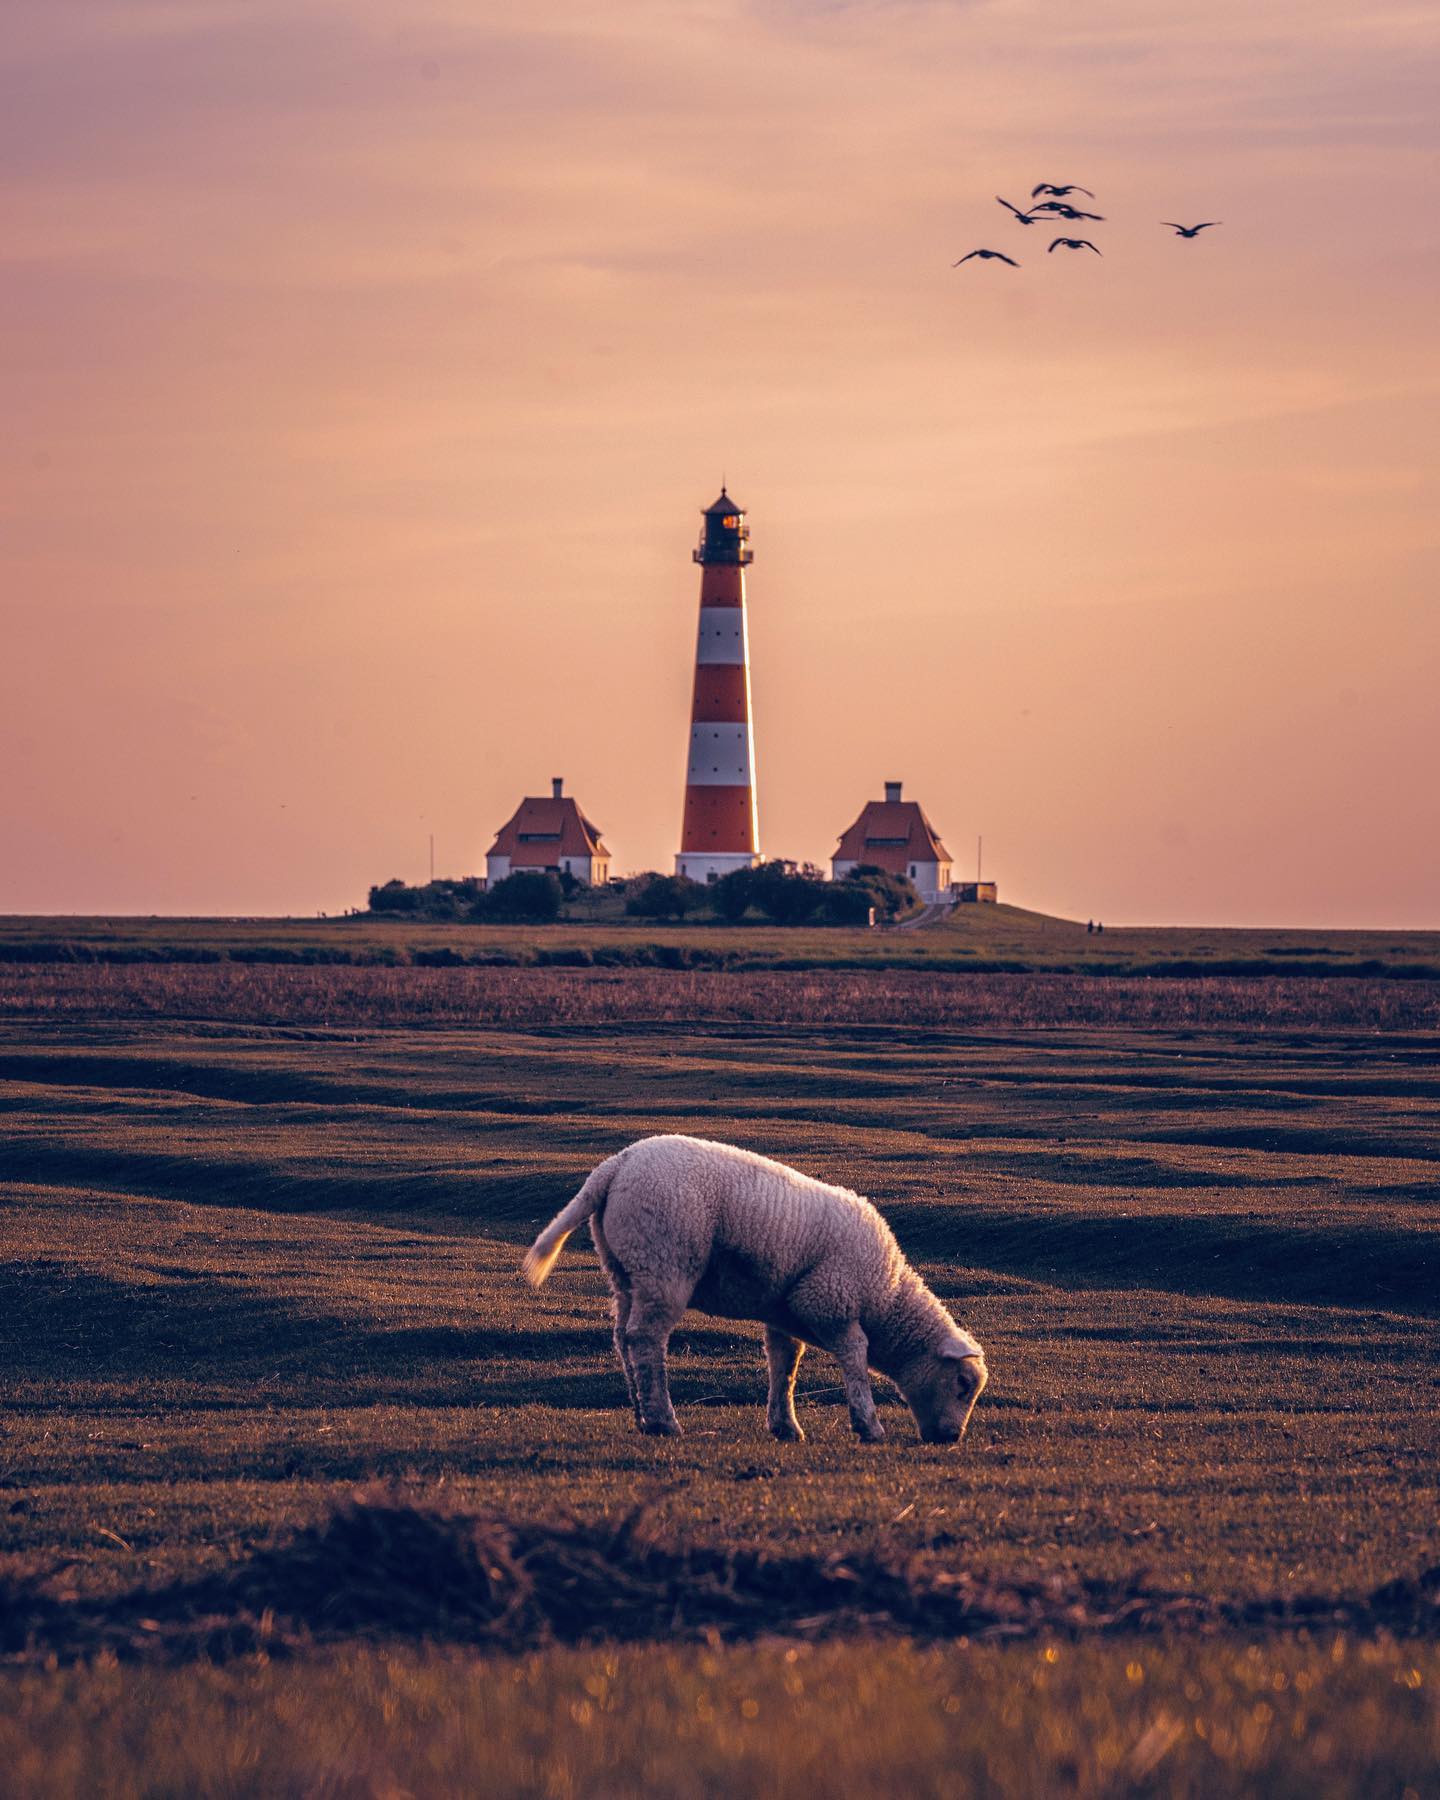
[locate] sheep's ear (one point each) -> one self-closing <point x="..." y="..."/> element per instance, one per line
<point x="960" y="1349"/>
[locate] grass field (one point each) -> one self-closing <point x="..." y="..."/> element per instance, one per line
<point x="252" y="1265"/>
<point x="997" y="938"/>
<point x="366" y="997"/>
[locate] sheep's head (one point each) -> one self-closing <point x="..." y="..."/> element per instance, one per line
<point x="942" y="1386"/>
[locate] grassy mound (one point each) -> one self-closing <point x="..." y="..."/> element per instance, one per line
<point x="381" y="1569"/>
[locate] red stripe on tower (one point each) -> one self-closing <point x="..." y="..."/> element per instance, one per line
<point x="721" y="831"/>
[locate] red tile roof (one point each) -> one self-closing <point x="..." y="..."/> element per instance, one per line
<point x="542" y="830"/>
<point x="891" y="834"/>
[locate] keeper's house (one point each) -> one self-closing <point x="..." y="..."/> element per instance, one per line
<point x="549" y="834"/>
<point x="894" y="835"/>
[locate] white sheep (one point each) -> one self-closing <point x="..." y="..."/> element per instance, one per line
<point x="680" y="1222"/>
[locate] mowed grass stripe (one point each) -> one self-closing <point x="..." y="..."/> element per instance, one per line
<point x="1361" y="1253"/>
<point x="1128" y="1213"/>
<point x="585" y="1078"/>
<point x="1341" y="1066"/>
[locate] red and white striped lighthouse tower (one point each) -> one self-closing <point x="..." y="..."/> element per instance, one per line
<point x="721" y="831"/>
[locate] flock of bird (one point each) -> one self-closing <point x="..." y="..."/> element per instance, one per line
<point x="1056" y="205"/>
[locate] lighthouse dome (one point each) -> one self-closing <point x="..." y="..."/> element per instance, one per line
<point x="724" y="504"/>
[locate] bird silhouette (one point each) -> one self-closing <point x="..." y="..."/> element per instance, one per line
<point x="1049" y="187"/>
<point x="1025" y="218"/>
<point x="1074" y="244"/>
<point x="1059" y="210"/>
<point x="999" y="255"/>
<point x="1192" y="230"/>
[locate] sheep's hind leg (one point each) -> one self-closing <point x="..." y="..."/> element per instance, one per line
<point x="782" y="1357"/>
<point x="620" y="1298"/>
<point x="620" y="1302"/>
<point x="647" y="1338"/>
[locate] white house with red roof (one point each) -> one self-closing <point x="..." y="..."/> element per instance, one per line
<point x="894" y="835"/>
<point x="549" y="834"/>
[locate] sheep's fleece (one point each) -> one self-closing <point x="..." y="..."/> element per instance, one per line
<point x="680" y="1222"/>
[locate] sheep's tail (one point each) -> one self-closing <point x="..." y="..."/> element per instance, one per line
<point x="543" y="1254"/>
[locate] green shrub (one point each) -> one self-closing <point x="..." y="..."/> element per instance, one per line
<point x="663" y="897"/>
<point x="394" y="897"/>
<point x="730" y="896"/>
<point x="441" y="900"/>
<point x="847" y="903"/>
<point x="529" y="896"/>
<point x="889" y="894"/>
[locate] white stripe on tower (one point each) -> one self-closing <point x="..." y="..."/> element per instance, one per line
<point x="722" y="636"/>
<point x="719" y="756"/>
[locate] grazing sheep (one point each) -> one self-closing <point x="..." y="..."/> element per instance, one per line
<point x="679" y="1222"/>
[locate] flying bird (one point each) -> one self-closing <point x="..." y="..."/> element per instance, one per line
<point x="1049" y="187"/>
<point x="1025" y="218"/>
<point x="1192" y="230"/>
<point x="1075" y="244"/>
<point x="1061" y="210"/>
<point x="999" y="255"/>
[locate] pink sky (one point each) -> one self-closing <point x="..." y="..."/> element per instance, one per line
<point x="366" y="367"/>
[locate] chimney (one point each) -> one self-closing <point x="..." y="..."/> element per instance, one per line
<point x="892" y="791"/>
<point x="557" y="787"/>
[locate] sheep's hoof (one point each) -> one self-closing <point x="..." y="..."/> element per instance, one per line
<point x="871" y="1434"/>
<point x="661" y="1427"/>
<point x="787" y="1432"/>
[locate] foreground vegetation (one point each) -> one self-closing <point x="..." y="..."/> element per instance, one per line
<point x="253" y="1264"/>
<point x="1283" y="1718"/>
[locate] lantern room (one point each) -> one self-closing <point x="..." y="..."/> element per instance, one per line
<point x="725" y="536"/>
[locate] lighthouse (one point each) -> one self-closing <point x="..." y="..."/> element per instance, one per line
<point x="721" y="831"/>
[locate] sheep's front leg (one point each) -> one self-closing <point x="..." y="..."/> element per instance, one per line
<point x="851" y="1351"/>
<point x="647" y="1339"/>
<point x="782" y="1357"/>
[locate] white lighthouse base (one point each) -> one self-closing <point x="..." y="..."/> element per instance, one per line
<point x="712" y="864"/>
